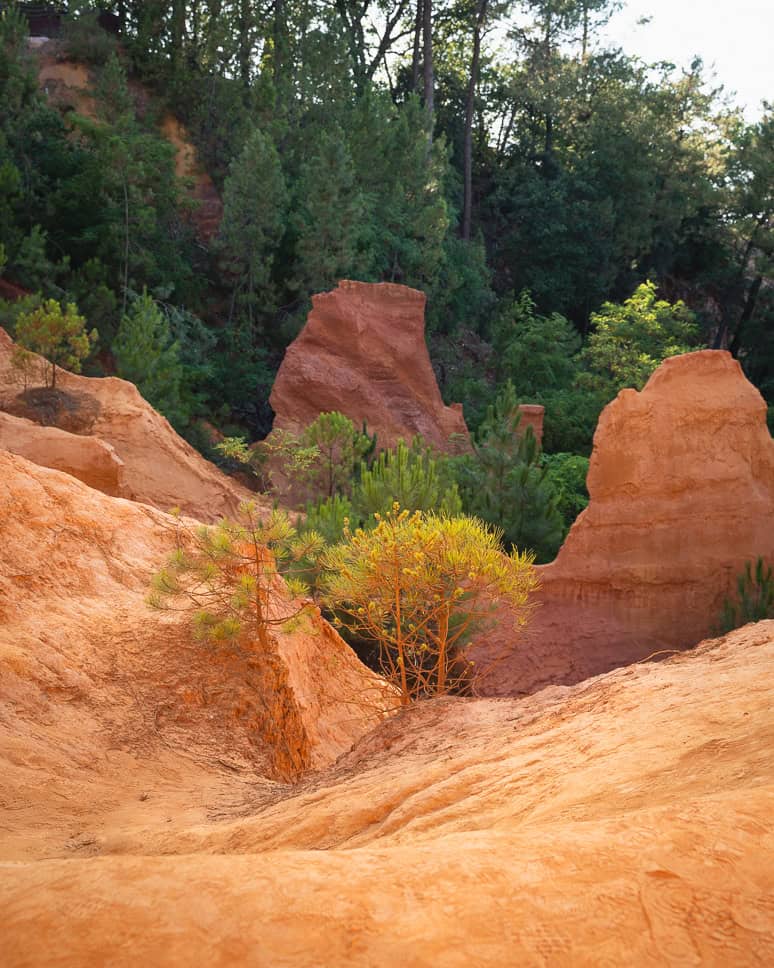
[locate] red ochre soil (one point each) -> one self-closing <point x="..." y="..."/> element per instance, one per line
<point x="625" y="820"/>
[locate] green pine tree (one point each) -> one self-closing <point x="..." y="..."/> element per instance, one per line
<point x="254" y="206"/>
<point x="504" y="483"/>
<point x="410" y="475"/>
<point x="328" y="217"/>
<point x="147" y="356"/>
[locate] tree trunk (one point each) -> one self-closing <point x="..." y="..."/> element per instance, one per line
<point x="417" y="44"/>
<point x="548" y="146"/>
<point x="443" y="656"/>
<point x="747" y="311"/>
<point x="178" y="31"/>
<point x="427" y="31"/>
<point x="470" y="104"/>
<point x="245" y="45"/>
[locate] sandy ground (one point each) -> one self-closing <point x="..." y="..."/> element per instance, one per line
<point x="626" y="820"/>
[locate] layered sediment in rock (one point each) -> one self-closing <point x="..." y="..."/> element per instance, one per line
<point x="681" y="485"/>
<point x="362" y="352"/>
<point x="160" y="468"/>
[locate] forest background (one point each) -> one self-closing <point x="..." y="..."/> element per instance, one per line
<point x="573" y="214"/>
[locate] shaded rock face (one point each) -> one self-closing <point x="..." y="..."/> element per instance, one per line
<point x="681" y="485"/>
<point x="90" y="459"/>
<point x="208" y="212"/>
<point x="160" y="468"/>
<point x="362" y="352"/>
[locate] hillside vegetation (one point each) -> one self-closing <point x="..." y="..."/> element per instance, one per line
<point x="544" y="192"/>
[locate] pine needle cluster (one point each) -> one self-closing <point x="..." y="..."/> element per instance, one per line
<point x="228" y="576"/>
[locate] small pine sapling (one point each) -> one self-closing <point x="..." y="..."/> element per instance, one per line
<point x="57" y="334"/>
<point x="228" y="577"/>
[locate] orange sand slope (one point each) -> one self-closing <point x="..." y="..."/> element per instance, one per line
<point x="624" y="820"/>
<point x="103" y="698"/>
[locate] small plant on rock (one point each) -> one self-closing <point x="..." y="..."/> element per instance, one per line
<point x="57" y="334"/>
<point x="228" y="576"/>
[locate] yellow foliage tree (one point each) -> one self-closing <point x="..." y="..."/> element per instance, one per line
<point x="420" y="585"/>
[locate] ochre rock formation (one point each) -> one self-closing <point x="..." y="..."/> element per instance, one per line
<point x="90" y="459"/>
<point x="532" y="415"/>
<point x="208" y="210"/>
<point x="86" y="665"/>
<point x="362" y="352"/>
<point x="160" y="468"/>
<point x="626" y="820"/>
<point x="681" y="485"/>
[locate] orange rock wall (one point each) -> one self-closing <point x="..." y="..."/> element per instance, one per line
<point x="681" y="485"/>
<point x="85" y="661"/>
<point x="532" y="415"/>
<point x="362" y="352"/>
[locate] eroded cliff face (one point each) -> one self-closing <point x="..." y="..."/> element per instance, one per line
<point x="160" y="468"/>
<point x="69" y="85"/>
<point x="86" y="664"/>
<point x="681" y="485"/>
<point x="362" y="352"/>
<point x="90" y="459"/>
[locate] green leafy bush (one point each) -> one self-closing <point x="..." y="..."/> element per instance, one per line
<point x="538" y="354"/>
<point x="505" y="484"/>
<point x="147" y="355"/>
<point x="340" y="448"/>
<point x="630" y="339"/>
<point x="754" y="600"/>
<point x="85" y="41"/>
<point x="567" y="475"/>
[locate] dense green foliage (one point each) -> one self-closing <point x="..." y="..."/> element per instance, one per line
<point x="147" y="355"/>
<point x="58" y="334"/>
<point x="573" y="215"/>
<point x="754" y="598"/>
<point x="505" y="483"/>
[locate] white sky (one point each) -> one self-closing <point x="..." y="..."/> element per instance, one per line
<point x="736" y="37"/>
